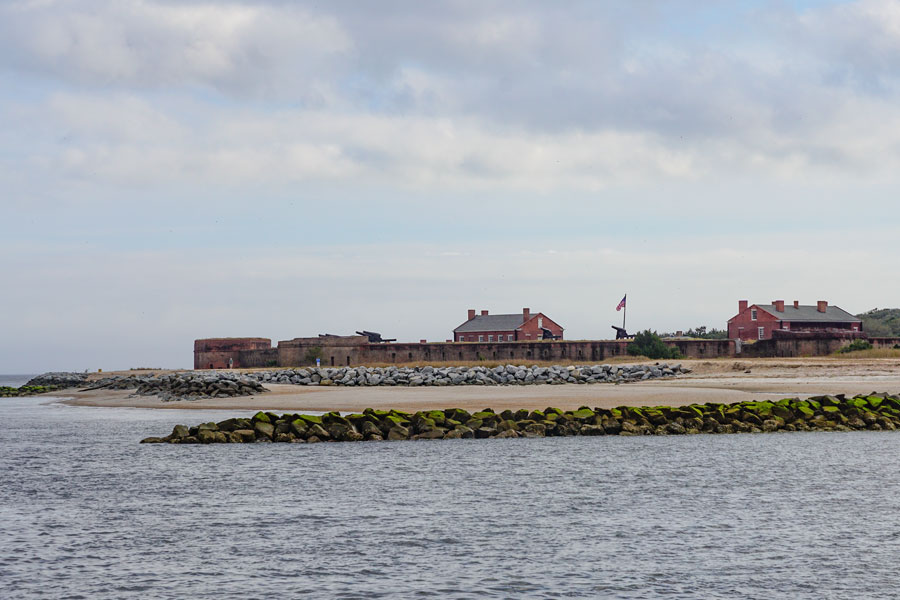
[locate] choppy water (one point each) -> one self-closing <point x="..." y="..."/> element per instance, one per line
<point x="87" y="512"/>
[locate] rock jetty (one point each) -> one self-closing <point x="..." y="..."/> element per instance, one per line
<point x="875" y="412"/>
<point x="442" y="376"/>
<point x="26" y="390"/>
<point x="184" y="386"/>
<point x="58" y="380"/>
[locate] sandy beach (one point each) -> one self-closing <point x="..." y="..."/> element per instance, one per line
<point x="712" y="381"/>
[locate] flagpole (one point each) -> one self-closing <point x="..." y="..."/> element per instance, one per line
<point x="624" y="310"/>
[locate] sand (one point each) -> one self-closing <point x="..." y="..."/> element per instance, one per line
<point x="722" y="380"/>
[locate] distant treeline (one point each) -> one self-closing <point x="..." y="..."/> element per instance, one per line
<point x="701" y="333"/>
<point x="881" y="322"/>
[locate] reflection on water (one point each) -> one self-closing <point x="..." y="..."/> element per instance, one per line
<point x="85" y="511"/>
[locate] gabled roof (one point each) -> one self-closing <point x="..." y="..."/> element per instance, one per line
<point x="810" y="314"/>
<point x="491" y="323"/>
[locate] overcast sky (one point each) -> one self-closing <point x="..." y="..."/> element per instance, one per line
<point x="176" y="170"/>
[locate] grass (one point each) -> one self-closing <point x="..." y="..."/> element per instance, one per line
<point x="873" y="353"/>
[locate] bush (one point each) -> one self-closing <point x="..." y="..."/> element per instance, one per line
<point x="312" y="354"/>
<point x="648" y="343"/>
<point x="856" y="345"/>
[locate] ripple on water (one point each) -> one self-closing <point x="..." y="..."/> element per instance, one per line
<point x="85" y="511"/>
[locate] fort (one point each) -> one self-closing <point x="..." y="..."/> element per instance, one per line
<point x="333" y="350"/>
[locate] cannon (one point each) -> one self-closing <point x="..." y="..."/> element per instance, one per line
<point x="621" y="334"/>
<point x="375" y="337"/>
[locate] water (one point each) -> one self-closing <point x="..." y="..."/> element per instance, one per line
<point x="14" y="380"/>
<point x="87" y="512"/>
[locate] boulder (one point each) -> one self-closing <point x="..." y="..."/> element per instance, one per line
<point x="264" y="429"/>
<point x="244" y="435"/>
<point x="397" y="433"/>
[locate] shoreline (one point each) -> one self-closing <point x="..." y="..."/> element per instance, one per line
<point x="567" y="397"/>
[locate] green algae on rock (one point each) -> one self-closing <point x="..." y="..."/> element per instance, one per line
<point x="873" y="412"/>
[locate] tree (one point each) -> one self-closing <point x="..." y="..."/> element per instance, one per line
<point x="648" y="343"/>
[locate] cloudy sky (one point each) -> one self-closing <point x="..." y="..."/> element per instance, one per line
<point x="173" y="169"/>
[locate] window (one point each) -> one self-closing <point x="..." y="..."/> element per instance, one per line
<point x="753" y="314"/>
<point x="541" y="322"/>
<point x="510" y="338"/>
<point x="761" y="331"/>
<point x="527" y="335"/>
<point x="490" y="338"/>
<point x="462" y="338"/>
<point x="480" y="338"/>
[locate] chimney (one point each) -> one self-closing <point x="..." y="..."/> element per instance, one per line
<point x="742" y="305"/>
<point x="471" y="313"/>
<point x="484" y="313"/>
<point x="821" y="305"/>
<point x="779" y="305"/>
<point x="796" y="304"/>
<point x="526" y="314"/>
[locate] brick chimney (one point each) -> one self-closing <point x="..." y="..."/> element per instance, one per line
<point x="796" y="304"/>
<point x="471" y="313"/>
<point x="779" y="305"/>
<point x="742" y="305"/>
<point x="821" y="306"/>
<point x="526" y="314"/>
<point x="484" y="313"/>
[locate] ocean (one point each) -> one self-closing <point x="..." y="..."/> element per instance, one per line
<point x="87" y="512"/>
<point x="14" y="380"/>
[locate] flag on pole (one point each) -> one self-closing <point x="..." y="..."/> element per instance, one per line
<point x="622" y="303"/>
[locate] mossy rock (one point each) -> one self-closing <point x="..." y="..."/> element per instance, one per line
<point x="507" y="415"/>
<point x="874" y="401"/>
<point x="583" y="414"/>
<point x="263" y="428"/>
<point x="509" y="424"/>
<point x="312" y="419"/>
<point x="379" y="414"/>
<point x="553" y="410"/>
<point x="535" y="415"/>
<point x="474" y="424"/>
<point x="484" y="415"/>
<point x="831" y="410"/>
<point x="395" y="420"/>
<point x="805" y="412"/>
<point x="398" y="433"/>
<point x="299" y="427"/>
<point x="457" y="414"/>
<point x="262" y="417"/>
<point x="783" y="411"/>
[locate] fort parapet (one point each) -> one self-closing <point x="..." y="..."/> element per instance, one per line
<point x="357" y="350"/>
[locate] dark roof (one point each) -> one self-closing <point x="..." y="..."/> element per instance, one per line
<point x="492" y="323"/>
<point x="810" y="313"/>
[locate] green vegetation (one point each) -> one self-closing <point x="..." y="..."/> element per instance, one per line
<point x="312" y="354"/>
<point x="702" y="333"/>
<point x="855" y="346"/>
<point x="881" y="322"/>
<point x="648" y="343"/>
<point x="26" y="390"/>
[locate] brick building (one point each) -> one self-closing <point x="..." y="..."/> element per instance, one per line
<point x="519" y="327"/>
<point x="757" y="321"/>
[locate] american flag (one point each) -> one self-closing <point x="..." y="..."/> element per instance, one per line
<point x="622" y="303"/>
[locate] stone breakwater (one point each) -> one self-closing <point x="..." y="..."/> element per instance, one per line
<point x="58" y="380"/>
<point x="876" y="412"/>
<point x="184" y="386"/>
<point x="442" y="376"/>
<point x="26" y="390"/>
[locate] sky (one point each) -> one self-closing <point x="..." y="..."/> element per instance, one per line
<point x="172" y="170"/>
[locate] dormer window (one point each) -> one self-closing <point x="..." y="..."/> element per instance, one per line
<point x="753" y="314"/>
